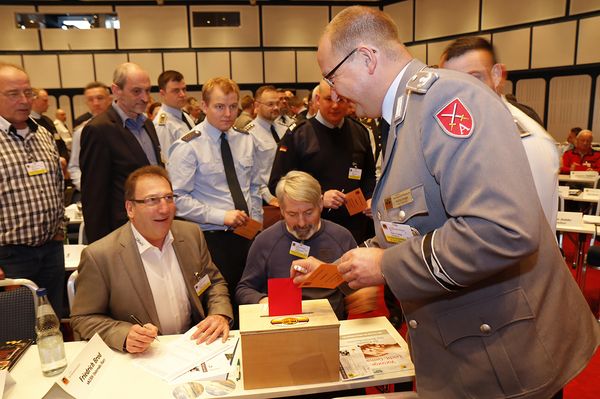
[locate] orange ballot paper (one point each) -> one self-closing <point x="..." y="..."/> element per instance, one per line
<point x="249" y="230"/>
<point x="355" y="202"/>
<point x="284" y="297"/>
<point x="324" y="276"/>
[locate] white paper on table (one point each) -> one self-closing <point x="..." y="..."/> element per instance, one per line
<point x="216" y="368"/>
<point x="6" y="381"/>
<point x="169" y="361"/>
<point x="353" y="364"/>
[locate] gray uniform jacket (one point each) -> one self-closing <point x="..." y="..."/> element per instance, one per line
<point x="493" y="311"/>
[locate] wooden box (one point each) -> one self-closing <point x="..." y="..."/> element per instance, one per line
<point x="283" y="354"/>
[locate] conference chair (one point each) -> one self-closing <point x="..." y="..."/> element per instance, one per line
<point x="18" y="304"/>
<point x="71" y="288"/>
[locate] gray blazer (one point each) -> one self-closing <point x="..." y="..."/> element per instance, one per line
<point x="112" y="284"/>
<point x="492" y="309"/>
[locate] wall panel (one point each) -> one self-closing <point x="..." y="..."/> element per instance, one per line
<point x="546" y="52"/>
<point x="512" y="48"/>
<point x="450" y="17"/>
<point x="532" y="92"/>
<point x="293" y="25"/>
<point x="280" y="67"/>
<point x="247" y="66"/>
<point x="43" y="70"/>
<point x="588" y="50"/>
<point x="11" y="59"/>
<point x="76" y="70"/>
<point x="569" y="103"/>
<point x="499" y="13"/>
<point x="596" y="114"/>
<point x="580" y="6"/>
<point x="402" y="14"/>
<point x="245" y="35"/>
<point x="106" y="65"/>
<point x="419" y="51"/>
<point x="146" y="27"/>
<point x="182" y="62"/>
<point x="14" y="38"/>
<point x="75" y="39"/>
<point x="212" y="64"/>
<point x="151" y="62"/>
<point x="307" y="66"/>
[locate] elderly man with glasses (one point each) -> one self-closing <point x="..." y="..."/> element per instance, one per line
<point x="154" y="270"/>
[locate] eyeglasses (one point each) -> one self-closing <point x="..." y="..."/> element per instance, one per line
<point x="15" y="95"/>
<point x="329" y="76"/>
<point x="155" y="200"/>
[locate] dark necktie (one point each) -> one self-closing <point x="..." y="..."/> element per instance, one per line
<point x="232" y="181"/>
<point x="186" y="121"/>
<point x="385" y="130"/>
<point x="274" y="134"/>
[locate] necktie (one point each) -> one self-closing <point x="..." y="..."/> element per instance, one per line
<point x="183" y="118"/>
<point x="274" y="134"/>
<point x="232" y="181"/>
<point x="385" y="130"/>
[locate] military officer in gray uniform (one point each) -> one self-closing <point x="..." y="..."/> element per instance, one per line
<point x="215" y="177"/>
<point x="267" y="131"/>
<point x="462" y="238"/>
<point x="171" y="122"/>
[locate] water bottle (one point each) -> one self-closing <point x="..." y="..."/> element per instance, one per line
<point x="49" y="338"/>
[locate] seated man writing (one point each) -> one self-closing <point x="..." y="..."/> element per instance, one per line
<point x="153" y="268"/>
<point x="301" y="233"/>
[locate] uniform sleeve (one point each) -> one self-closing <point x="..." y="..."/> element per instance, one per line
<point x="182" y="168"/>
<point x="95" y="165"/>
<point x="487" y="194"/>
<point x="90" y="312"/>
<point x="253" y="284"/>
<point x="256" y="183"/>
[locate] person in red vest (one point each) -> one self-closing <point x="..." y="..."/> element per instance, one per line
<point x="582" y="157"/>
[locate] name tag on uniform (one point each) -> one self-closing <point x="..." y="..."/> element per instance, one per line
<point x="36" y="168"/>
<point x="396" y="233"/>
<point x="398" y="199"/>
<point x="202" y="285"/>
<point x="354" y="173"/>
<point x="299" y="250"/>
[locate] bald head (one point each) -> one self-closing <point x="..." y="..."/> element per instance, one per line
<point x="583" y="142"/>
<point x="16" y="95"/>
<point x="61" y="115"/>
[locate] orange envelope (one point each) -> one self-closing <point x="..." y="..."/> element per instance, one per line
<point x="355" y="202"/>
<point x="324" y="276"/>
<point x="249" y="230"/>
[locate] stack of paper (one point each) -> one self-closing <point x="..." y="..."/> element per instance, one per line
<point x="183" y="360"/>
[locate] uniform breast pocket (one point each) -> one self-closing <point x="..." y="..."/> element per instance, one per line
<point x="406" y="204"/>
<point x="211" y="168"/>
<point x="499" y="351"/>
<point x="245" y="166"/>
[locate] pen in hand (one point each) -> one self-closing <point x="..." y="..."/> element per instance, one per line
<point x="138" y="322"/>
<point x="329" y="210"/>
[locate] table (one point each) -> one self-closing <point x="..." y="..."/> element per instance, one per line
<point x="587" y="181"/>
<point x="123" y="380"/>
<point x="72" y="256"/>
<point x="582" y="230"/>
<point x="74" y="215"/>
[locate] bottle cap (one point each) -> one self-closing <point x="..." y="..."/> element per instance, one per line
<point x="41" y="292"/>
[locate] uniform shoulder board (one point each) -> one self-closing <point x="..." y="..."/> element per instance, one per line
<point x="522" y="131"/>
<point x="240" y="130"/>
<point x="190" y="136"/>
<point x="162" y="119"/>
<point x="248" y="127"/>
<point x="421" y="81"/>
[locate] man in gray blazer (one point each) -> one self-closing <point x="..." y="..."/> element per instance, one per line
<point x="462" y="241"/>
<point x="154" y="269"/>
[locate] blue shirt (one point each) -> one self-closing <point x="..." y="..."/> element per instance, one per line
<point x="198" y="176"/>
<point x="136" y="126"/>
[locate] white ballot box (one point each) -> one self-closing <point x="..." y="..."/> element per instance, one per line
<point x="289" y="350"/>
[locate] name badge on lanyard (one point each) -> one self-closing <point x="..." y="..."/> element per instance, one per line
<point x="36" y="168"/>
<point x="202" y="284"/>
<point x="300" y="250"/>
<point x="354" y="173"/>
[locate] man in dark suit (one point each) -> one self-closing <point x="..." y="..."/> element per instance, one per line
<point x="39" y="105"/>
<point x="114" y="144"/>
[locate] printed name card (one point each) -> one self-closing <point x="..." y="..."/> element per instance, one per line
<point x="86" y="370"/>
<point x="563" y="191"/>
<point x="569" y="218"/>
<point x="591" y="194"/>
<point x="586" y="174"/>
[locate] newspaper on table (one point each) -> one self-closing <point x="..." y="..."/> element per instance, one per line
<point x="169" y="361"/>
<point x="381" y="352"/>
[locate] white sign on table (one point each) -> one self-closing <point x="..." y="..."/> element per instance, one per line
<point x="569" y="218"/>
<point x="589" y="174"/>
